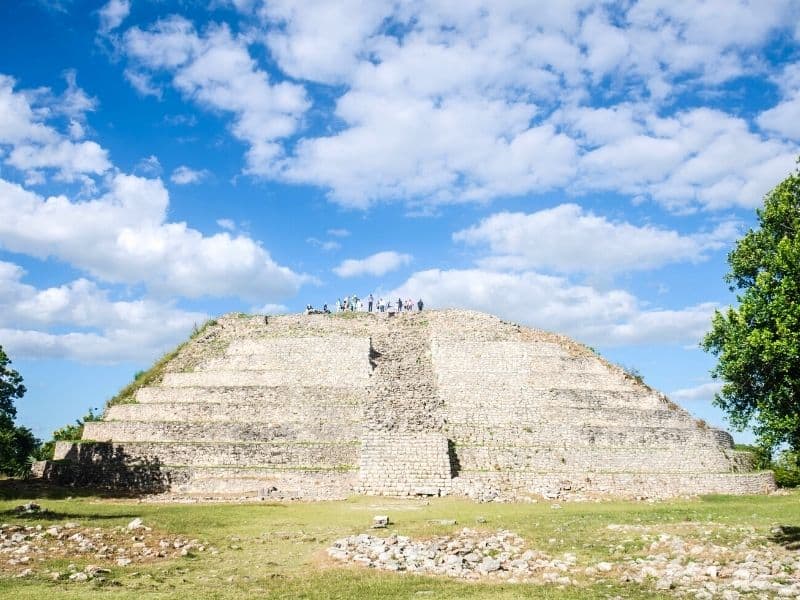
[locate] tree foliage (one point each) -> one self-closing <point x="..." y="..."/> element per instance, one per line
<point x="11" y="387"/>
<point x="17" y="443"/>
<point x="758" y="342"/>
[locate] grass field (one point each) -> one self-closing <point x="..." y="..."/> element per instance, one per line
<point x="277" y="550"/>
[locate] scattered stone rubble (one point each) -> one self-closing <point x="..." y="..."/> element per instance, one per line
<point x="25" y="550"/>
<point x="705" y="569"/>
<point x="31" y="508"/>
<point x="668" y="563"/>
<point x="470" y="554"/>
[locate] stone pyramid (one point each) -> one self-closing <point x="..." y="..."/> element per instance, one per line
<point x="432" y="403"/>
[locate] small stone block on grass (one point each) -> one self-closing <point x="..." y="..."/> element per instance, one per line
<point x="380" y="521"/>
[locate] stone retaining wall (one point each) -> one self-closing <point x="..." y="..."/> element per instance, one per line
<point x="621" y="485"/>
<point x="404" y="464"/>
<point x="234" y="431"/>
<point x="578" y="436"/>
<point x="239" y="412"/>
<point x="210" y="454"/>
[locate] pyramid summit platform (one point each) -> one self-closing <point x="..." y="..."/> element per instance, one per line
<point x="421" y="403"/>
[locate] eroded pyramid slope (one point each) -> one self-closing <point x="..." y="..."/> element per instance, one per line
<point x="438" y="402"/>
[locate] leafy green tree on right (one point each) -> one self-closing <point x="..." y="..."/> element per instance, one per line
<point x="758" y="342"/>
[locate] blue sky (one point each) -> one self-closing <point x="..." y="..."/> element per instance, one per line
<point x="583" y="167"/>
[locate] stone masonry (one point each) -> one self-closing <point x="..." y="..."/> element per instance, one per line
<point x="431" y="403"/>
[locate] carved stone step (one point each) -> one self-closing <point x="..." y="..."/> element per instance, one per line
<point x="239" y="454"/>
<point x="600" y="460"/>
<point x="162" y="431"/>
<point x="278" y="395"/>
<point x="242" y="412"/>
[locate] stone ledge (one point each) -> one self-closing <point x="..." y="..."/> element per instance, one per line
<point x="292" y="432"/>
<point x="242" y="412"/>
<point x="618" y="485"/>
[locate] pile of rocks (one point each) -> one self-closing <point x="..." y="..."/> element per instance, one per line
<point x="697" y="568"/>
<point x="31" y="508"/>
<point x="469" y="554"/>
<point x="705" y="570"/>
<point x="23" y="548"/>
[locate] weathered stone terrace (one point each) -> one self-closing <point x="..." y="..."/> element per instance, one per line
<point x="438" y="402"/>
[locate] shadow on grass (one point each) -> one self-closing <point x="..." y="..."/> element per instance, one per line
<point x="787" y="536"/>
<point x="24" y="489"/>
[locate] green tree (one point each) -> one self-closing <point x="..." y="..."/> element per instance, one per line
<point x="11" y="387"/>
<point x="758" y="342"/>
<point x="17" y="443"/>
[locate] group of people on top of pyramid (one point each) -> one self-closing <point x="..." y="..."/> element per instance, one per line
<point x="355" y="304"/>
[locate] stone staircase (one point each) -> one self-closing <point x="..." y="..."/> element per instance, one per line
<point x="403" y="449"/>
<point x="321" y="406"/>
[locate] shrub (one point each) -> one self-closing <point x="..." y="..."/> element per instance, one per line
<point x="786" y="465"/>
<point x="787" y="469"/>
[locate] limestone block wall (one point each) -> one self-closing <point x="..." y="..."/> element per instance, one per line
<point x="403" y="451"/>
<point x="580" y="435"/>
<point x="439" y="402"/>
<point x="251" y="411"/>
<point x="307" y="484"/>
<point x="250" y="406"/>
<point x="624" y="485"/>
<point x="232" y="431"/>
<point x="404" y="464"/>
<point x="524" y="409"/>
<point x="257" y="454"/>
<point x="603" y="460"/>
<point x="335" y="361"/>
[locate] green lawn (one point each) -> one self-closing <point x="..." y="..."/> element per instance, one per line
<point x="276" y="550"/>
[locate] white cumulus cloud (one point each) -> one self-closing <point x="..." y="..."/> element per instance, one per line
<point x="376" y="264"/>
<point x="80" y="321"/>
<point x="184" y="175"/>
<point x="435" y="102"/>
<point x="597" y="317"/>
<point x="113" y="14"/>
<point x="784" y="118"/>
<point x="697" y="158"/>
<point x="215" y="70"/>
<point x="703" y="392"/>
<point x="34" y="145"/>
<point x="568" y="238"/>
<point x="124" y="236"/>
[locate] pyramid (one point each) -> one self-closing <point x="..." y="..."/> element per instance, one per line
<point x="424" y="403"/>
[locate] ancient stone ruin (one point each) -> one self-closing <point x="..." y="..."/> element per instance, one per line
<point x="431" y="403"/>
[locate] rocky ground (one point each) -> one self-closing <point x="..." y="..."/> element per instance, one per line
<point x="27" y="550"/>
<point x="698" y="567"/>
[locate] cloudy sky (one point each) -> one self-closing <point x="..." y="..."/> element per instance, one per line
<point x="578" y="166"/>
